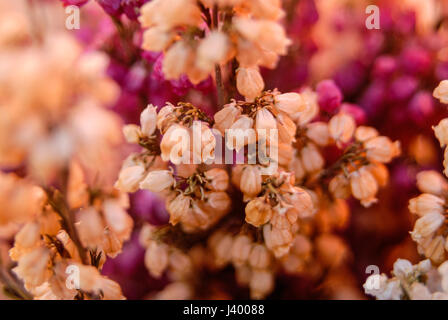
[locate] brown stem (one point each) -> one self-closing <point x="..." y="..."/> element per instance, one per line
<point x="13" y="284"/>
<point x="59" y="205"/>
<point x="220" y="89"/>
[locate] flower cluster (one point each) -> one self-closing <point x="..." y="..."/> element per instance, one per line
<point x="197" y="36"/>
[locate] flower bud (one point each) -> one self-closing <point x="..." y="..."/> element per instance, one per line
<point x="213" y="49"/>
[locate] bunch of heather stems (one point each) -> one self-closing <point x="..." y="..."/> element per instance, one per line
<point x="223" y="149"/>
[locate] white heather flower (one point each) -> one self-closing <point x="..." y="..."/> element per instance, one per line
<point x="225" y="117"/>
<point x="259" y="257"/>
<point x="218" y="179"/>
<point x="402" y="268"/>
<point x="261" y="283"/>
<point x="176" y="60"/>
<point x="249" y="82"/>
<point x="341" y="127"/>
<point x="213" y="49"/>
<point x="381" y="149"/>
<point x="364" y="186"/>
<point x="175" y="144"/>
<point x="441" y="92"/>
<point x="258" y="212"/>
<point x="178" y="207"/>
<point x="241" y="248"/>
<point x="427" y="225"/>
<point x="131" y="133"/>
<point x="441" y="132"/>
<point x="340" y="187"/>
<point x="157" y="39"/>
<point x="148" y="120"/>
<point x="290" y="102"/>
<point x="251" y="180"/>
<point x="312" y="159"/>
<point x="129" y="178"/>
<point x="265" y="120"/>
<point x="432" y="182"/>
<point x="364" y="133"/>
<point x="426" y="203"/>
<point x="240" y="133"/>
<point x="156" y="258"/>
<point x="318" y="132"/>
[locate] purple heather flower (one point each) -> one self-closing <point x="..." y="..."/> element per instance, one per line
<point x="149" y="207"/>
<point x="111" y="7"/>
<point x="350" y="77"/>
<point x="384" y="66"/>
<point x="355" y="111"/>
<point x="402" y="88"/>
<point x="421" y="107"/>
<point x="74" y="2"/>
<point x="442" y="71"/>
<point x="415" y="60"/>
<point x="372" y="100"/>
<point x="329" y="95"/>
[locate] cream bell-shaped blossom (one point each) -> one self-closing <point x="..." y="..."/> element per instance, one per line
<point x="241" y="248"/>
<point x="129" y="178"/>
<point x="157" y="39"/>
<point x="341" y="127"/>
<point x="156" y="258"/>
<point x="178" y="207"/>
<point x="213" y="49"/>
<point x="249" y="82"/>
<point x="441" y="132"/>
<point x="148" y="120"/>
<point x="259" y="257"/>
<point x="157" y="180"/>
<point x="381" y="149"/>
<point x="426" y="203"/>
<point x="251" y="179"/>
<point x="240" y="133"/>
<point x="319" y="133"/>
<point x="290" y="103"/>
<point x="432" y="182"/>
<point x="441" y="92"/>
<point x="258" y="212"/>
<point x="175" y="144"/>
<point x="364" y="186"/>
<point x="132" y="133"/>
<point x="226" y="117"/>
<point x="364" y="133"/>
<point x="427" y="225"/>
